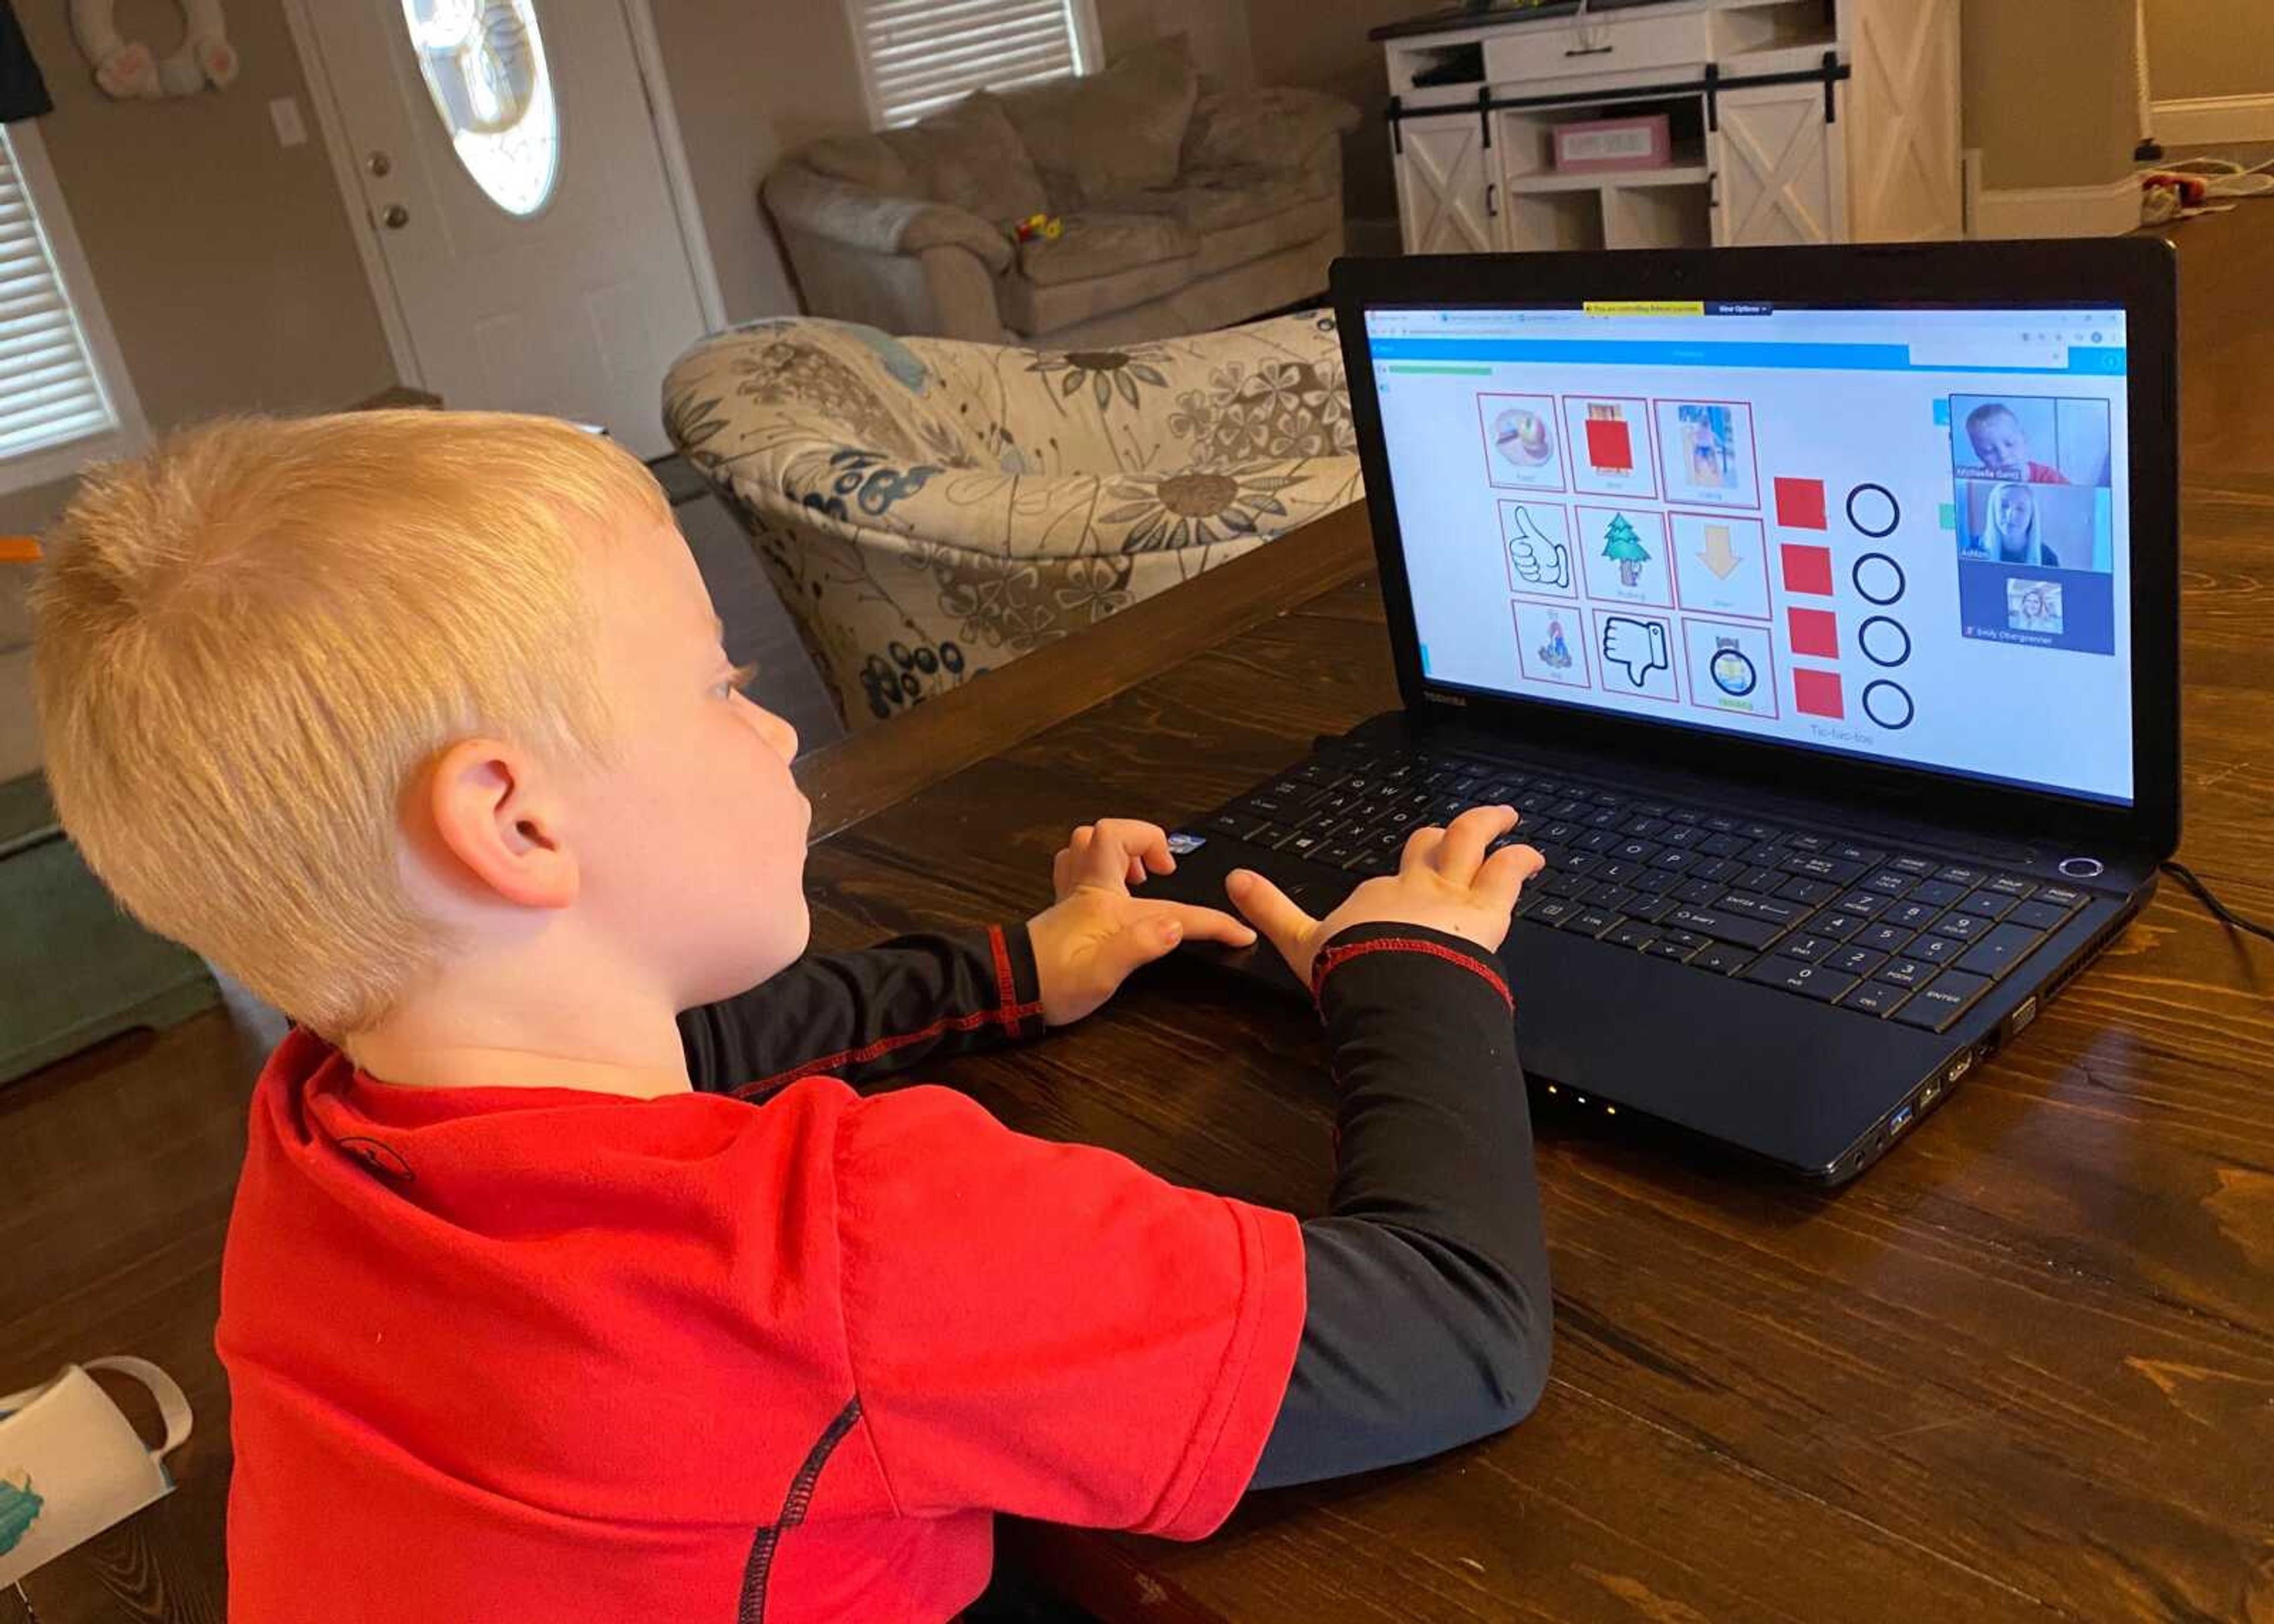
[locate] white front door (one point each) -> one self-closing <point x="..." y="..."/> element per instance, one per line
<point x="513" y="181"/>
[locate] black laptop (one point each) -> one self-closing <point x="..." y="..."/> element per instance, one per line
<point x="1816" y="608"/>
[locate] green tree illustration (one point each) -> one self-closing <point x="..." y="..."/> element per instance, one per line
<point x="1624" y="548"/>
<point x="20" y="1509"/>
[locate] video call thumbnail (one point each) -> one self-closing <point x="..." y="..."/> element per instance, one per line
<point x="2033" y="507"/>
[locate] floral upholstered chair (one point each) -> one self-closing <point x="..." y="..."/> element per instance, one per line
<point x="929" y="509"/>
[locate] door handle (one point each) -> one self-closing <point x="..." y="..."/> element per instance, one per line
<point x="379" y="164"/>
<point x="1491" y="189"/>
<point x="1590" y="50"/>
<point x="395" y="217"/>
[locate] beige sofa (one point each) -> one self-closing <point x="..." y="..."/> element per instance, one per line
<point x="1180" y="211"/>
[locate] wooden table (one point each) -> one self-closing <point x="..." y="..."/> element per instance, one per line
<point x="2023" y="1368"/>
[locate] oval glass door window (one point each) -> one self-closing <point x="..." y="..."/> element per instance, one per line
<point x="484" y="63"/>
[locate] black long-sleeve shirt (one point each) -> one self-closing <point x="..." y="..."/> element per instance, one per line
<point x="1427" y="1311"/>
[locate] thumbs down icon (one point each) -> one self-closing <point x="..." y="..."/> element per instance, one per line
<point x="1638" y="645"/>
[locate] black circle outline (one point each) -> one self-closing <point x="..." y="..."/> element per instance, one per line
<point x="1902" y="581"/>
<point x="1912" y="704"/>
<point x="1878" y="620"/>
<point x="1743" y="657"/>
<point x="1893" y="524"/>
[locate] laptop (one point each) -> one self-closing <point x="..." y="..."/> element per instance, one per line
<point x="1816" y="607"/>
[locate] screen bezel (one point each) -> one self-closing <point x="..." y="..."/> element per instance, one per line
<point x="2138" y="275"/>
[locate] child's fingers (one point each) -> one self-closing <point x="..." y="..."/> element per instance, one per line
<point x="1202" y="924"/>
<point x="1147" y="843"/>
<point x="1419" y="845"/>
<point x="1463" y="848"/>
<point x="1501" y="879"/>
<point x="1272" y="911"/>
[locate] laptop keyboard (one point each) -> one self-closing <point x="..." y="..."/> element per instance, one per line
<point x="1890" y="934"/>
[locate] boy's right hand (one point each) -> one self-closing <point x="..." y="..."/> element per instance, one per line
<point x="1444" y="881"/>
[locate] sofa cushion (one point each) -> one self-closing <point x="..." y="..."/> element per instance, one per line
<point x="1228" y="195"/>
<point x="969" y="156"/>
<point x="1252" y="239"/>
<point x="862" y="161"/>
<point x="1104" y="135"/>
<point x="1098" y="244"/>
<point x="1028" y="306"/>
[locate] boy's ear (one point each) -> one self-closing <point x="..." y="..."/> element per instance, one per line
<point x="492" y="807"/>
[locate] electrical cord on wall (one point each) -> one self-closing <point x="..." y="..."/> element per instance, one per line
<point x="2217" y="910"/>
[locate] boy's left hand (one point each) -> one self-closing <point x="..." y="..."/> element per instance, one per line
<point x="1089" y="941"/>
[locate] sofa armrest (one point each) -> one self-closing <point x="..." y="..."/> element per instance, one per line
<point x="801" y="199"/>
<point x="1280" y="126"/>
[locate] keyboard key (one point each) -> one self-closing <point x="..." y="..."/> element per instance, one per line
<point x="1639" y="826"/>
<point x="1565" y="883"/>
<point x="1808" y="843"/>
<point x="1940" y="893"/>
<point x="1869" y="904"/>
<point x="1817" y="866"/>
<point x="1598" y="840"/>
<point x="1302" y="844"/>
<point x="1987" y="904"/>
<point x="1723" y="845"/>
<point x="1723" y="958"/>
<point x="1838" y="926"/>
<point x="1719" y="869"/>
<point x="1936" y="950"/>
<point x="1910" y="915"/>
<point x="1613" y="898"/>
<point x="1884" y="938"/>
<point x="1958" y="875"/>
<point x="2011" y="885"/>
<point x="1680" y="835"/>
<point x="1238" y="826"/>
<point x="1738" y="927"/>
<point x="1698" y="893"/>
<point x="1774" y="909"/>
<point x="1857" y="960"/>
<point x="2037" y="915"/>
<point x="2006" y="946"/>
<point x="1673" y="944"/>
<point x="1649" y="909"/>
<point x="1875" y="998"/>
<point x="1634" y="933"/>
<point x="1917" y="867"/>
<point x="1636" y="851"/>
<point x="1592" y="921"/>
<point x="2060" y="896"/>
<point x="1808" y="948"/>
<point x="1551" y="910"/>
<point x="1758" y="878"/>
<point x="1865" y="854"/>
<point x="1813" y="893"/>
<point x="1768" y="832"/>
<point x="1890" y="882"/>
<point x="1965" y="927"/>
<point x="1942" y="1001"/>
<point x="1336" y="853"/>
<point x="1674" y="860"/>
<point x="1655" y="880"/>
<point x="1906" y="972"/>
<point x="1809" y="981"/>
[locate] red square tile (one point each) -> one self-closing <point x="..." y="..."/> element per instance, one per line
<point x="1817" y="693"/>
<point x="1800" y="504"/>
<point x="1610" y="447"/>
<point x="1815" y="632"/>
<point x="1807" y="569"/>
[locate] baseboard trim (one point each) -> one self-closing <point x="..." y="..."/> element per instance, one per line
<point x="2106" y="210"/>
<point x="2206" y="121"/>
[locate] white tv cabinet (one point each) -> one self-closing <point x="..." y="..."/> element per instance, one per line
<point x="1794" y="121"/>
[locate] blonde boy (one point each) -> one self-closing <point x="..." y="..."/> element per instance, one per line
<point x="420" y="724"/>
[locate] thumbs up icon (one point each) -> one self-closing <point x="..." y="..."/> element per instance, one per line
<point x="1539" y="559"/>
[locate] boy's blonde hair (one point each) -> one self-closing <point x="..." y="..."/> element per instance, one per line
<point x="250" y="639"/>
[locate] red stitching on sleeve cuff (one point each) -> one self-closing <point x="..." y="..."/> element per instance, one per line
<point x="1334" y="958"/>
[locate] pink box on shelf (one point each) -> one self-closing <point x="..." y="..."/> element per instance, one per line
<point x="1642" y="143"/>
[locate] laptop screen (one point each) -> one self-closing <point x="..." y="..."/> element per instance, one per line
<point x="1895" y="533"/>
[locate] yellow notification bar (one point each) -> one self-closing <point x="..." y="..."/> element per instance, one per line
<point x="1643" y="307"/>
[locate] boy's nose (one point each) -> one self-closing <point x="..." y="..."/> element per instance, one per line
<point x="778" y="733"/>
